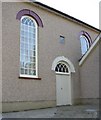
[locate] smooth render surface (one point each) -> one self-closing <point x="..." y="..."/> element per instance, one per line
<point x="21" y="106"/>
<point x="89" y="72"/>
<point x="0" y="57"/>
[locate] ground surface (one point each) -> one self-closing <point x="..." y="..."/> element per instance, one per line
<point x="78" y="111"/>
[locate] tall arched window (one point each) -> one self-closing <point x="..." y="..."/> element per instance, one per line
<point x="30" y="22"/>
<point x="28" y="47"/>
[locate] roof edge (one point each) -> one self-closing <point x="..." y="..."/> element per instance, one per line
<point x="66" y="15"/>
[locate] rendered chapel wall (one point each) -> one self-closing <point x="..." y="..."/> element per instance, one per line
<point x="15" y="89"/>
<point x="89" y="74"/>
<point x="0" y="57"/>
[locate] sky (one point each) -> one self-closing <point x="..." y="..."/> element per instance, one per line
<point x="84" y="10"/>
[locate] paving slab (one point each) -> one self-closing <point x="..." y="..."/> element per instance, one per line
<point x="78" y="111"/>
<point x="41" y="113"/>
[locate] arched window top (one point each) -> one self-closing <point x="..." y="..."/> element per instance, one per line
<point x="28" y="21"/>
<point x="84" y="33"/>
<point x="85" y="41"/>
<point x="62" y="68"/>
<point x="31" y="14"/>
<point x="63" y="61"/>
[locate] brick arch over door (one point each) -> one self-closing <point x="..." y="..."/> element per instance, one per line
<point x="29" y="13"/>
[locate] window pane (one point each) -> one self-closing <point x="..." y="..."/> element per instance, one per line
<point x="22" y="33"/>
<point x="29" y="65"/>
<point x="26" y="52"/>
<point x="22" y="52"/>
<point x="33" y="72"/>
<point x="31" y="59"/>
<point x="22" y="45"/>
<point x="31" y="41"/>
<point x="31" y="35"/>
<point x="30" y="47"/>
<point x="26" y="71"/>
<point x="26" y="58"/>
<point x="22" y="26"/>
<point x="33" y="66"/>
<point x="34" y="48"/>
<point x="22" y="39"/>
<point x="26" y="39"/>
<point x="30" y="72"/>
<point x="26" y="46"/>
<point x="84" y="44"/>
<point x="22" y="58"/>
<point x="21" y="64"/>
<point x="34" y="59"/>
<point x="22" y="70"/>
<point x="26" y="27"/>
<point x="30" y="53"/>
<point x="31" y="29"/>
<point x="25" y="33"/>
<point x="26" y="65"/>
<point x="34" y="53"/>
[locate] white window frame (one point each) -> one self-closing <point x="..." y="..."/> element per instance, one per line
<point x="25" y="75"/>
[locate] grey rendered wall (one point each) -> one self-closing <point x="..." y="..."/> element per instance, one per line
<point x="89" y="73"/>
<point x="15" y="89"/>
<point x="0" y="57"/>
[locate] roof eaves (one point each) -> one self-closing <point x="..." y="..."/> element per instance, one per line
<point x="66" y="15"/>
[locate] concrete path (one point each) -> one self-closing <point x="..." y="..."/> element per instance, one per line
<point x="0" y="116"/>
<point x="80" y="111"/>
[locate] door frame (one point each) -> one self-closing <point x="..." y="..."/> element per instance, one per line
<point x="70" y="68"/>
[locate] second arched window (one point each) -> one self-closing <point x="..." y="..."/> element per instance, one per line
<point x="85" y="44"/>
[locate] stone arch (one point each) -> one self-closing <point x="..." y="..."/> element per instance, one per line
<point x="29" y="13"/>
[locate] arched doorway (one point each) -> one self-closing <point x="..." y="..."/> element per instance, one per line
<point x="63" y="68"/>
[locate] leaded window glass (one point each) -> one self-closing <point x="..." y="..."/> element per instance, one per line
<point x="61" y="67"/>
<point x="28" y="47"/>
